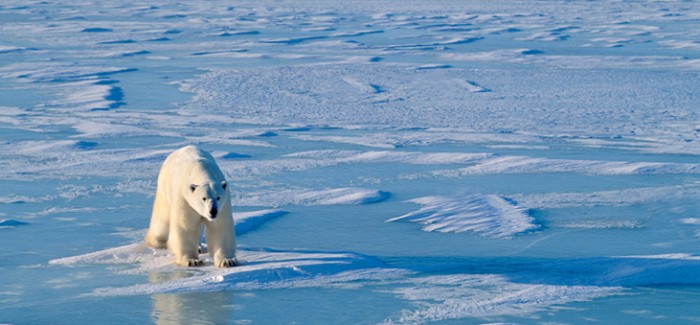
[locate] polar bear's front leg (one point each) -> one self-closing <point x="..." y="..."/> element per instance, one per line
<point x="221" y="239"/>
<point x="183" y="242"/>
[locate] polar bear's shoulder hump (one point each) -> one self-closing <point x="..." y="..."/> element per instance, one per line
<point x="192" y="154"/>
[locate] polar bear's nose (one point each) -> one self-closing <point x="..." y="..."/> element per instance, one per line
<point x="213" y="212"/>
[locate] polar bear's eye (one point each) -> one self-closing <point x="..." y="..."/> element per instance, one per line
<point x="218" y="198"/>
<point x="204" y="199"/>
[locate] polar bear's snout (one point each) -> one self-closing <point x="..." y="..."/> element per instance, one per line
<point x="213" y="212"/>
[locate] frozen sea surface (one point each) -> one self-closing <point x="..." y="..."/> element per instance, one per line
<point x="391" y="162"/>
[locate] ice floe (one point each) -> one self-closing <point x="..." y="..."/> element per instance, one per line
<point x="264" y="269"/>
<point x="260" y="269"/>
<point x="140" y="253"/>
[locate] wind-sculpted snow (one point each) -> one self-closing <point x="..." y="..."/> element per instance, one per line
<point x="522" y="164"/>
<point x="523" y="286"/>
<point x="390" y="140"/>
<point x="473" y="295"/>
<point x="333" y="196"/>
<point x="9" y="223"/>
<point x="615" y="198"/>
<point x="249" y="221"/>
<point x="82" y="88"/>
<point x="532" y="56"/>
<point x="407" y="157"/>
<point x="489" y="216"/>
<point x="64" y="159"/>
<point x="477" y="163"/>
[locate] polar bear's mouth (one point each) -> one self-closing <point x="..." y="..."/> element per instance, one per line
<point x="211" y="214"/>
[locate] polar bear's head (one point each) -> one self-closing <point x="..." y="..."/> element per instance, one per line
<point x="208" y="198"/>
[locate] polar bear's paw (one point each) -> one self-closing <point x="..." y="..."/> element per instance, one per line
<point x="186" y="261"/>
<point x="228" y="262"/>
<point x="195" y="262"/>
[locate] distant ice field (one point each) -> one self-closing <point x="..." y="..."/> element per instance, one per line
<point x="391" y="162"/>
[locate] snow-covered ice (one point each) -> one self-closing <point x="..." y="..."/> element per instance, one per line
<point x="549" y="151"/>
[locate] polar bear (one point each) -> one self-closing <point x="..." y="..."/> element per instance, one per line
<point x="192" y="193"/>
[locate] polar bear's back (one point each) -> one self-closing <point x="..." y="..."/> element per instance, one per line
<point x="189" y="155"/>
<point x="189" y="163"/>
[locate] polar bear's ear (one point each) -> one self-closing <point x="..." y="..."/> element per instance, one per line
<point x="193" y="187"/>
<point x="223" y="184"/>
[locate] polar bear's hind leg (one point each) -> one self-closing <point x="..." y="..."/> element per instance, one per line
<point x="157" y="236"/>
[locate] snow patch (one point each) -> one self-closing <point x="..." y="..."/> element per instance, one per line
<point x="690" y="221"/>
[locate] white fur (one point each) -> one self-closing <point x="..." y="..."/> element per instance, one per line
<point x="190" y="184"/>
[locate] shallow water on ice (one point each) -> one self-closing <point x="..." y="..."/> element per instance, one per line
<point x="390" y="163"/>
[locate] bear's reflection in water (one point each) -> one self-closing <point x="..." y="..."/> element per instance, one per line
<point x="191" y="307"/>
